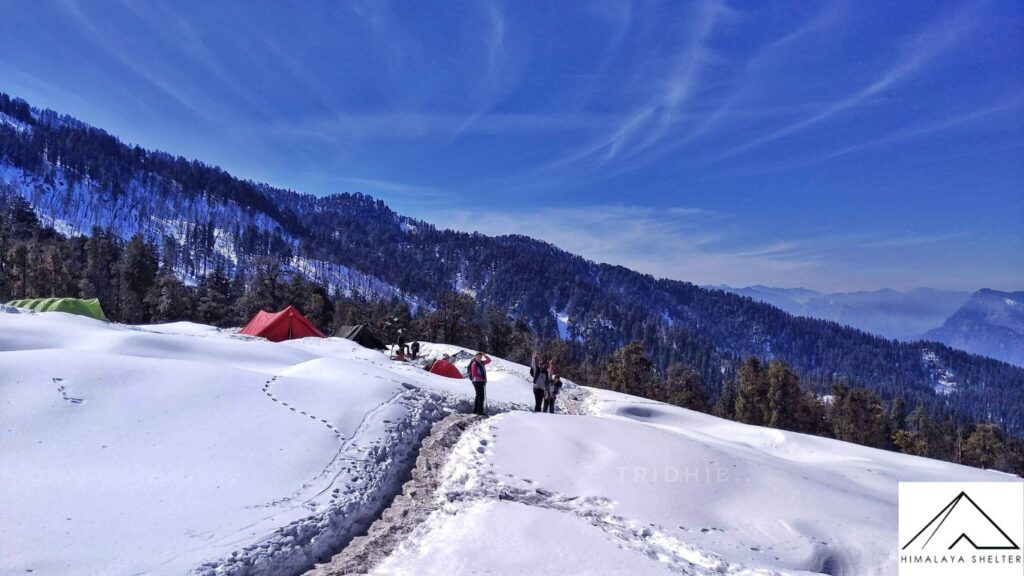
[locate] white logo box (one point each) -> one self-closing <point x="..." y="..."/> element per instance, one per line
<point x="961" y="528"/>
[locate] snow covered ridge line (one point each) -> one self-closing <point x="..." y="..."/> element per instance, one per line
<point x="297" y="547"/>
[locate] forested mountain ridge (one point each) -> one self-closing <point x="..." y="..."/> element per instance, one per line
<point x="201" y="217"/>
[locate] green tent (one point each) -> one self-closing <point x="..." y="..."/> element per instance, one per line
<point x="90" y="308"/>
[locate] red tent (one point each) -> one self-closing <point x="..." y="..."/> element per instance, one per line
<point x="443" y="367"/>
<point x="284" y="325"/>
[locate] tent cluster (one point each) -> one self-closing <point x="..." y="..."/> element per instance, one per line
<point x="287" y="324"/>
<point x="89" y="308"/>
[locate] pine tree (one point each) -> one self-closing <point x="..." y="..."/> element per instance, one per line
<point x="725" y="407"/>
<point x="810" y="415"/>
<point x="858" y="416"/>
<point x="18" y="264"/>
<point x="898" y="414"/>
<point x="138" y="268"/>
<point x="630" y="371"/>
<point x="752" y="393"/>
<point x="984" y="446"/>
<point x="783" y="396"/>
<point x="214" y="294"/>
<point x="100" y="273"/>
<point x="498" y="334"/>
<point x="685" y="387"/>
<point x="168" y="300"/>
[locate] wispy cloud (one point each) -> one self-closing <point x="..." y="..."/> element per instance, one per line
<point x="925" y="128"/>
<point x="925" y="47"/>
<point x="647" y="124"/>
<point x="127" y="58"/>
<point x="412" y="124"/>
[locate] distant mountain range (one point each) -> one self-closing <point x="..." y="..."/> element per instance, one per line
<point x="888" y="313"/>
<point x="79" y="178"/>
<point x="991" y="323"/>
<point x="987" y="322"/>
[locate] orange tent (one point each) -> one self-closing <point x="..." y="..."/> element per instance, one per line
<point x="284" y="325"/>
<point x="443" y="367"/>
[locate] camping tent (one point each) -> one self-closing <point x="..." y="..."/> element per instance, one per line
<point x="284" y="325"/>
<point x="362" y="335"/>
<point x="90" y="308"/>
<point x="442" y="367"/>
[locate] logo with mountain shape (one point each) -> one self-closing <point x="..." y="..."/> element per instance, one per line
<point x="962" y="520"/>
<point x="961" y="528"/>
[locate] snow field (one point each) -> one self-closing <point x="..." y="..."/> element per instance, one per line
<point x="699" y="494"/>
<point x="172" y="448"/>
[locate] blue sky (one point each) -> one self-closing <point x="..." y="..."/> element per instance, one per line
<point x="831" y="145"/>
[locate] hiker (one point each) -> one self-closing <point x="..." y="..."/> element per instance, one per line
<point x="415" y="349"/>
<point x="539" y="373"/>
<point x="401" y="345"/>
<point x="554" y="387"/>
<point x="478" y="374"/>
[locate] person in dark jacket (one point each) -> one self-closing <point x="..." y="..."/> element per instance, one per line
<point x="539" y="373"/>
<point x="401" y="348"/>
<point x="415" y="349"/>
<point x="551" y="394"/>
<point x="478" y="375"/>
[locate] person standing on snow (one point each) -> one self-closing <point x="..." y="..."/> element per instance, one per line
<point x="415" y="349"/>
<point x="478" y="375"/>
<point x="539" y="373"/>
<point x="401" y="349"/>
<point x="553" y="388"/>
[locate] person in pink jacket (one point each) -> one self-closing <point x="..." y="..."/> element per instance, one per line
<point x="478" y="374"/>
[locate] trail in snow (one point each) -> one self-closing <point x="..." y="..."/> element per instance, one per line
<point x="417" y="501"/>
<point x="62" y="389"/>
<point x="408" y="509"/>
<point x="266" y="390"/>
<point x="380" y="466"/>
<point x="469" y="479"/>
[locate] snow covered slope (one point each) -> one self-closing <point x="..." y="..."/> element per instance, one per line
<point x="155" y="449"/>
<point x="644" y="488"/>
<point x="183" y="448"/>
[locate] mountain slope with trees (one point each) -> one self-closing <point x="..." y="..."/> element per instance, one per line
<point x="194" y="227"/>
<point x="990" y="323"/>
